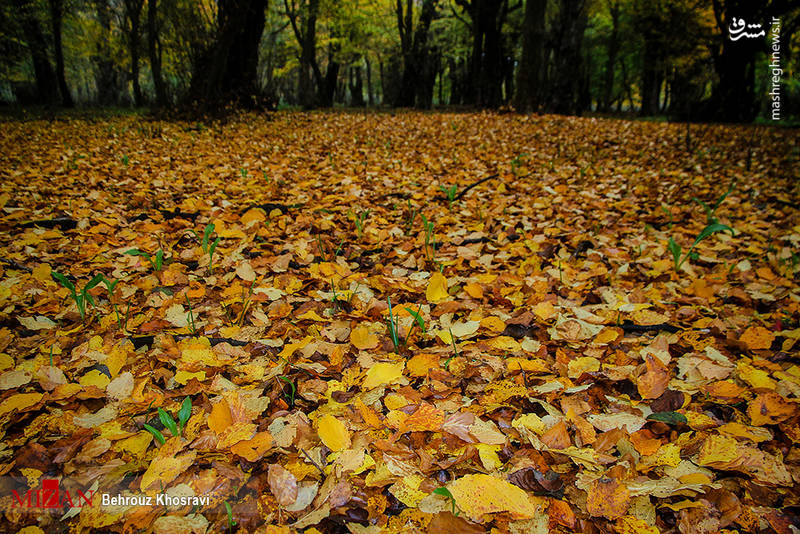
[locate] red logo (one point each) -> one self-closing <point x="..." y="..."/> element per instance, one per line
<point x="51" y="496"/>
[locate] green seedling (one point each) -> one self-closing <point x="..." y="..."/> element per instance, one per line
<point x="446" y="492"/>
<point x="417" y="317"/>
<point x="516" y="162"/>
<point x="184" y="414"/>
<point x="455" y="350"/>
<point x="393" y="327"/>
<point x="293" y="389"/>
<point x="450" y="193"/>
<point x="231" y="521"/>
<point x="204" y="244"/>
<point x="359" y="220"/>
<point x="110" y="288"/>
<point x="80" y="297"/>
<point x="669" y="214"/>
<point x="176" y="429"/>
<point x="410" y="223"/>
<point x="192" y="328"/>
<point x="125" y="160"/>
<point x="675" y="248"/>
<point x="711" y="210"/>
<point x="156" y="261"/>
<point x="159" y="437"/>
<point x="243" y="171"/>
<point x="430" y="238"/>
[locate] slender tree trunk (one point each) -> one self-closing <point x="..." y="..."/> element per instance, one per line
<point x="228" y="71"/>
<point x="154" y="49"/>
<point x="370" y="95"/>
<point x="133" y="12"/>
<point x="611" y="59"/>
<point x="529" y="73"/>
<point x="46" y="82"/>
<point x="568" y="67"/>
<point x="56" y="21"/>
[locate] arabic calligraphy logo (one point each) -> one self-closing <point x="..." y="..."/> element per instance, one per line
<point x="737" y="30"/>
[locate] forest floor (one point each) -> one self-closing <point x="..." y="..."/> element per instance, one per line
<point x="295" y="326"/>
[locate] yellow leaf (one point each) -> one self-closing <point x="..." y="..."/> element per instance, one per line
<point x="607" y="498"/>
<point x="135" y="445"/>
<point x="544" y="310"/>
<point x="220" y="417"/>
<point x="162" y="470"/>
<point x="20" y="401"/>
<point x="363" y="339"/>
<point x="493" y="323"/>
<point x="633" y="525"/>
<point x="474" y="290"/>
<point x="333" y="433"/>
<point x="437" y="289"/>
<point x="382" y="373"/>
<point x="757" y="378"/>
<point x="481" y="494"/>
<point x="183" y="377"/>
<point x="584" y="364"/>
<point x="757" y="338"/>
<point x="421" y="363"/>
<point x="94" y="378"/>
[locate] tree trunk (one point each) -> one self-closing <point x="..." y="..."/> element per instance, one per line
<point x="572" y="21"/>
<point x="56" y="21"/>
<point x="154" y="49"/>
<point x="356" y="87"/>
<point x="133" y="12"/>
<point x="370" y="94"/>
<point x="46" y="82"/>
<point x="611" y="59"/>
<point x="528" y="97"/>
<point x="651" y="78"/>
<point x="228" y="70"/>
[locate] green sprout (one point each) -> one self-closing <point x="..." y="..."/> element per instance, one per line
<point x="516" y="162"/>
<point x="80" y="297"/>
<point x="410" y="223"/>
<point x="393" y="327"/>
<point x="192" y="328"/>
<point x="204" y="244"/>
<point x="293" y="389"/>
<point x="359" y="220"/>
<point x="675" y="248"/>
<point x="243" y="171"/>
<point x="231" y="521"/>
<point x="156" y="261"/>
<point x="450" y="193"/>
<point x="711" y="210"/>
<point x="110" y="288"/>
<point x="455" y="350"/>
<point x="430" y="238"/>
<point x="446" y="492"/>
<point x="176" y="429"/>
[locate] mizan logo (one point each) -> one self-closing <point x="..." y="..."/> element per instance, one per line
<point x="51" y="496"/>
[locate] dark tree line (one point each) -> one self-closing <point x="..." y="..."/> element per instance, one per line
<point x="563" y="56"/>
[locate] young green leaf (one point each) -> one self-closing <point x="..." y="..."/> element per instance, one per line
<point x="63" y="281"/>
<point x="446" y="492"/>
<point x="711" y="229"/>
<point x="167" y="420"/>
<point x="675" y="249"/>
<point x="184" y="413"/>
<point x="156" y="434"/>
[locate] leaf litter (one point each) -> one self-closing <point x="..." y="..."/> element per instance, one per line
<point x="378" y="321"/>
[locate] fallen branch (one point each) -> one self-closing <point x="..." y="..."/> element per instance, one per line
<point x="479" y="182"/>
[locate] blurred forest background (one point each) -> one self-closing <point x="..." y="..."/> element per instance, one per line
<point x="649" y="57"/>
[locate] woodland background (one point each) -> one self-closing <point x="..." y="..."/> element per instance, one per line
<point x="563" y="56"/>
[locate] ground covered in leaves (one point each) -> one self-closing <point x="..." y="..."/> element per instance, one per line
<point x="296" y="325"/>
